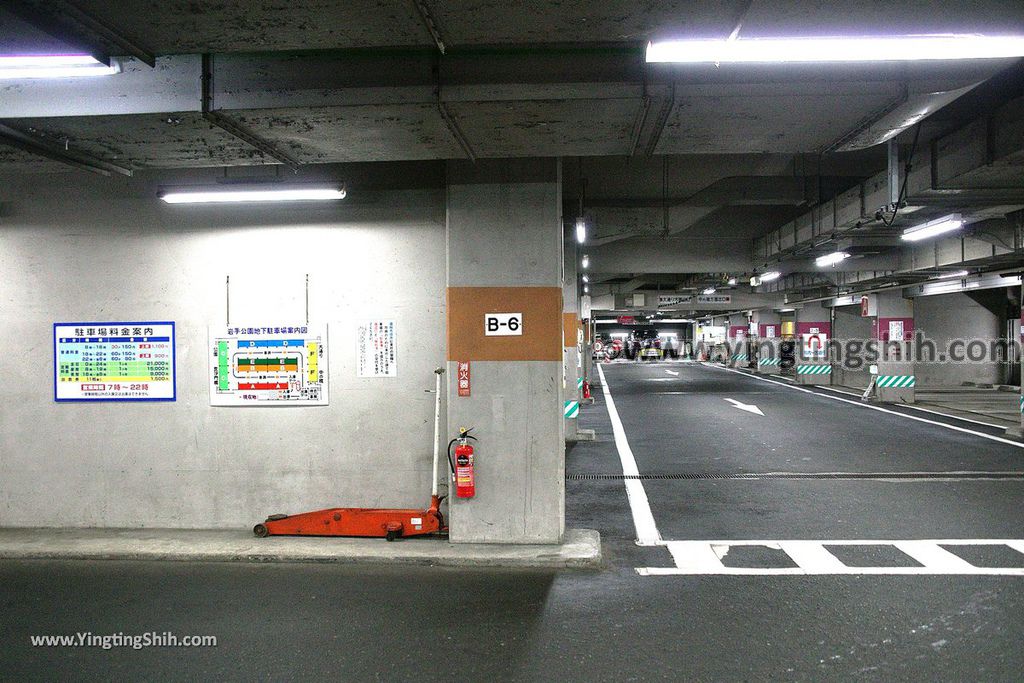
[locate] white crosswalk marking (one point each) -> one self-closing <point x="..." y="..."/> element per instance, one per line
<point x="812" y="558"/>
<point x="933" y="557"/>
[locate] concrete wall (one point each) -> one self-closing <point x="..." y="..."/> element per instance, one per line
<point x="75" y="247"/>
<point x="946" y="317"/>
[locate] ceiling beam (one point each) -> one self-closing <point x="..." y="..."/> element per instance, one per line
<point x="431" y="24"/>
<point x="12" y="137"/>
<point x="69" y="23"/>
<point x="228" y="125"/>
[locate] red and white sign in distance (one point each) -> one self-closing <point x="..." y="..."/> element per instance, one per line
<point x="463" y="377"/>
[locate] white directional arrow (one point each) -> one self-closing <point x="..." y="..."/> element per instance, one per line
<point x="672" y="372"/>
<point x="743" y="406"/>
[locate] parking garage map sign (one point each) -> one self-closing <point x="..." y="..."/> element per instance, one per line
<point x="269" y="365"/>
<point x="113" y="361"/>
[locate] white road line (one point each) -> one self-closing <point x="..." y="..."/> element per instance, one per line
<point x="847" y="571"/>
<point x="643" y="518"/>
<point x="923" y="410"/>
<point x="933" y="557"/>
<point x="812" y="556"/>
<point x="672" y="372"/>
<point x="859" y="404"/>
<point x="813" y="559"/>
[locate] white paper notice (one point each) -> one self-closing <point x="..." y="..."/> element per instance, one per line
<point x="376" y="352"/>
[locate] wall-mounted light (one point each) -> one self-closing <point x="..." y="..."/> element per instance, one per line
<point x="939" y="226"/>
<point x="771" y="275"/>
<point x="585" y="262"/>
<point x="586" y="279"/>
<point x="581" y="230"/>
<point x="586" y="289"/>
<point x="836" y="49"/>
<point x="53" y="66"/>
<point x="831" y="259"/>
<point x="255" y="192"/>
<point x="732" y="281"/>
<point x="709" y="291"/>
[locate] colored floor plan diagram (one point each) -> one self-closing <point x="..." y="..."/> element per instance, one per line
<point x="271" y="365"/>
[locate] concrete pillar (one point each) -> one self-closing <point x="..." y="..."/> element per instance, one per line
<point x="893" y="329"/>
<point x="737" y="334"/>
<point x="768" y="341"/>
<point x="571" y="358"/>
<point x="813" y="331"/>
<point x="504" y="228"/>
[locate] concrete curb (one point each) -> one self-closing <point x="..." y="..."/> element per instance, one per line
<point x="581" y="548"/>
<point x="583" y="435"/>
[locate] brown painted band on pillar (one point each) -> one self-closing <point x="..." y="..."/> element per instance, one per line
<point x="541" y="308"/>
<point x="570" y="324"/>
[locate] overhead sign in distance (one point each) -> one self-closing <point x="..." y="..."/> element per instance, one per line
<point x="503" y="324"/>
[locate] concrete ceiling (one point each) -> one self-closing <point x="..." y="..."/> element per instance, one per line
<point x="704" y="159"/>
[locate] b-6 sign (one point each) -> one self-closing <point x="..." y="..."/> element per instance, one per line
<point x="503" y="324"/>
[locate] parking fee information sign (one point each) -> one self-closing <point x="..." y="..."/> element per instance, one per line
<point x="113" y="361"/>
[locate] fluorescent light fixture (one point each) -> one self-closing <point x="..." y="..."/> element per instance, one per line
<point x="909" y="48"/>
<point x="953" y="221"/>
<point x="732" y="281"/>
<point x="586" y="279"/>
<point x="950" y="276"/>
<point x="831" y="259"/>
<point x="771" y="275"/>
<point x="581" y="230"/>
<point x="786" y="310"/>
<point x="709" y="291"/>
<point x="586" y="261"/>
<point x="586" y="289"/>
<point x="755" y="281"/>
<point x="53" y="66"/>
<point x="259" y="192"/>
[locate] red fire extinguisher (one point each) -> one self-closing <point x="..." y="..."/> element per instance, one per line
<point x="586" y="390"/>
<point x="462" y="467"/>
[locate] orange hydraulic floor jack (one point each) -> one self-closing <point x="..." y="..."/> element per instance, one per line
<point x="368" y="522"/>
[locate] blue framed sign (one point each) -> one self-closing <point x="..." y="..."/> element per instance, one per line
<point x="114" y="361"/>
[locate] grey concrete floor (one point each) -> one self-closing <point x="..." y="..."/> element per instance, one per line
<point x="980" y="402"/>
<point x="301" y="622"/>
<point x="990" y="405"/>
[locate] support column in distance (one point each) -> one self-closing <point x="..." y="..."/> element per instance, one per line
<point x="893" y="329"/>
<point x="768" y="342"/>
<point x="813" y="331"/>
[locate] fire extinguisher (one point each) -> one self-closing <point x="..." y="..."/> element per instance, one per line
<point x="462" y="467"/>
<point x="586" y="390"/>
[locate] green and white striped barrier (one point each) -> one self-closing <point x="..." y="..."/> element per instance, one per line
<point x="895" y="381"/>
<point x="739" y="356"/>
<point x="579" y="383"/>
<point x="769" y="361"/>
<point x="824" y="369"/>
<point x="572" y="409"/>
<point x="1022" y="405"/>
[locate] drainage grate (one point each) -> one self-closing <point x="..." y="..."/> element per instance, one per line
<point x="804" y="475"/>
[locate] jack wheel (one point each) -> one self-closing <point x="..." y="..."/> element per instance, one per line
<point x="391" y="535"/>
<point x="261" y="531"/>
